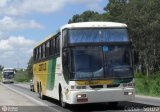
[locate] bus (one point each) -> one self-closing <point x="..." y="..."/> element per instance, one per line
<point x="86" y="62"/>
<point x="8" y="75"/>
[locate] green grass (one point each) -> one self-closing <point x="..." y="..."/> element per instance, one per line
<point x="21" y="76"/>
<point x="149" y="86"/>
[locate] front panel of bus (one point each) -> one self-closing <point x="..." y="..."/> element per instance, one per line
<point x="97" y="65"/>
<point x="8" y="77"/>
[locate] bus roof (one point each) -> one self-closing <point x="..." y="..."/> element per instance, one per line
<point x="47" y="38"/>
<point x="8" y="69"/>
<point x="95" y="24"/>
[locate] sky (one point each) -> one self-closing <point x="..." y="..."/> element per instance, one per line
<point x="24" y="23"/>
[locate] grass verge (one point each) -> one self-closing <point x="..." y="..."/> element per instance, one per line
<point x="21" y="76"/>
<point x="149" y="86"/>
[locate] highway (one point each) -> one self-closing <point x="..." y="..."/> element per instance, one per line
<point x="20" y="98"/>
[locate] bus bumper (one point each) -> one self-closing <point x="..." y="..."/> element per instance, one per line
<point x="7" y="81"/>
<point x="100" y="95"/>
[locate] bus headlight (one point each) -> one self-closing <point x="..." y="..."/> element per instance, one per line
<point x="128" y="93"/>
<point x="81" y="96"/>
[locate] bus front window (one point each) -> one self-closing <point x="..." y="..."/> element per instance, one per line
<point x="8" y="75"/>
<point x="118" y="61"/>
<point x="87" y="63"/>
<point x="101" y="62"/>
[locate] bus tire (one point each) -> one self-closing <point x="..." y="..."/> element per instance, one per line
<point x="32" y="88"/>
<point x="41" y="96"/>
<point x="62" y="103"/>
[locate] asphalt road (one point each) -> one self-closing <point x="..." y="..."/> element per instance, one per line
<point x="35" y="104"/>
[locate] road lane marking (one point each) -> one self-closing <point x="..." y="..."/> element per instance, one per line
<point x="29" y="97"/>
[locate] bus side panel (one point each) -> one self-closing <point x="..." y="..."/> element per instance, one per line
<point x="51" y="74"/>
<point x="40" y="71"/>
<point x="57" y="74"/>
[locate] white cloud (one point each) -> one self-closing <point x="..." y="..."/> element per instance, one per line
<point x="23" y="7"/>
<point x="15" y="50"/>
<point x="4" y="45"/>
<point x="8" y="24"/>
<point x="3" y="3"/>
<point x="2" y="35"/>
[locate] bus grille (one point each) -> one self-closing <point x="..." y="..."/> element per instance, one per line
<point x="112" y="85"/>
<point x="97" y="86"/>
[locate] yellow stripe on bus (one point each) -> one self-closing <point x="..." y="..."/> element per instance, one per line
<point x="95" y="82"/>
<point x="40" y="71"/>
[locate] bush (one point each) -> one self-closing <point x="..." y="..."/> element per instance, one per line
<point x="21" y="76"/>
<point x="148" y="85"/>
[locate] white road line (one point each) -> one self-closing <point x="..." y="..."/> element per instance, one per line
<point x="146" y="103"/>
<point x="34" y="100"/>
<point x="148" y="97"/>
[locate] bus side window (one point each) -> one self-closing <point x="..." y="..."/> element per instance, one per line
<point x="39" y="53"/>
<point x="53" y="46"/>
<point x="57" y="46"/>
<point x="43" y="51"/>
<point x="50" y="47"/>
<point x="47" y="49"/>
<point x="34" y="54"/>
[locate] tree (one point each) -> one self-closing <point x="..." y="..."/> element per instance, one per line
<point x="144" y="29"/>
<point x="1" y="67"/>
<point x="84" y="17"/>
<point x="30" y="67"/>
<point x="115" y="9"/>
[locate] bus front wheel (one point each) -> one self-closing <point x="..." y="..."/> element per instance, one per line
<point x="63" y="104"/>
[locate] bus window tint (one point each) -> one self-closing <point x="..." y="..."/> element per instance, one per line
<point x="97" y="35"/>
<point x="47" y="49"/>
<point x="87" y="63"/>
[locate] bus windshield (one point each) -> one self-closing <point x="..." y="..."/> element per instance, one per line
<point x="98" y="35"/>
<point x="100" y="62"/>
<point x="8" y="75"/>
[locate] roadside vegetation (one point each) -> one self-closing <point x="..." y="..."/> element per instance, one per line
<point x="148" y="85"/>
<point x="26" y="75"/>
<point x="21" y="76"/>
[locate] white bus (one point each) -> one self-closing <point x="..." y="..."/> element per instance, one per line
<point x="8" y="75"/>
<point x="88" y="62"/>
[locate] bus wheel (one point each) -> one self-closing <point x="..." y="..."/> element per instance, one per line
<point x="41" y="96"/>
<point x="63" y="104"/>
